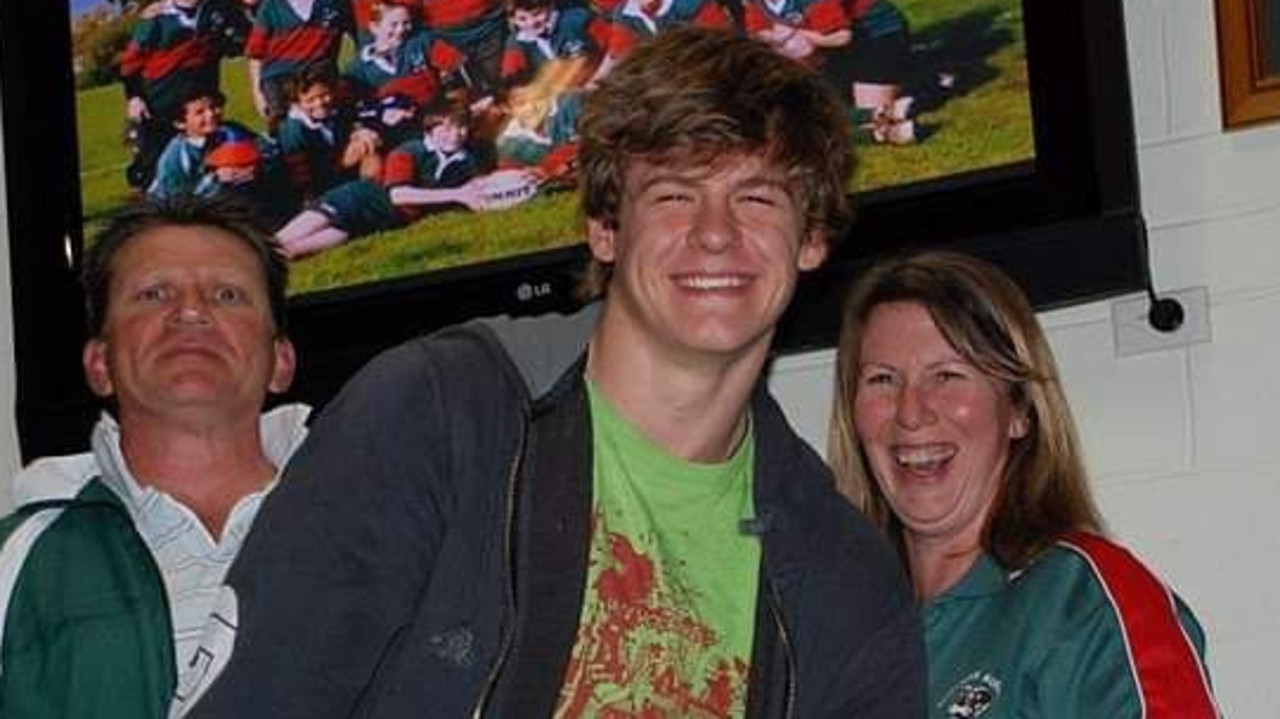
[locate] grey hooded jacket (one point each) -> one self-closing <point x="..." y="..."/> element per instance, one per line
<point x="426" y="555"/>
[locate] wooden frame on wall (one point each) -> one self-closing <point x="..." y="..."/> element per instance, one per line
<point x="1249" y="61"/>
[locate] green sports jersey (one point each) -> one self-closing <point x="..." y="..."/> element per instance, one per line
<point x="1085" y="631"/>
<point x="668" y="617"/>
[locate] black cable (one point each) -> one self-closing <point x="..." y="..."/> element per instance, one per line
<point x="1164" y="314"/>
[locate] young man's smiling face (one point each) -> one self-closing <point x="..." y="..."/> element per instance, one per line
<point x="705" y="258"/>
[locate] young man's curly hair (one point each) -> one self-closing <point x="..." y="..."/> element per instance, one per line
<point x="692" y="95"/>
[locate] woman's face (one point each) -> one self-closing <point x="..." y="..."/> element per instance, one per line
<point x="934" y="428"/>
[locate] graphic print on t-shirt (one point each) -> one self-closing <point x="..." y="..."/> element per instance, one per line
<point x="646" y="654"/>
<point x="668" y="611"/>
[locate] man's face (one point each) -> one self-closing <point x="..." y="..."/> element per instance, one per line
<point x="188" y="330"/>
<point x="705" y="259"/>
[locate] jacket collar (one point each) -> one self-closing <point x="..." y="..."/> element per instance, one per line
<point x="283" y="429"/>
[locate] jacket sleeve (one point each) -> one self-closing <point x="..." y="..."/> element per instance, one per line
<point x="1139" y="652"/>
<point x="859" y="643"/>
<point x="1092" y="673"/>
<point x="1098" y="671"/>
<point x="884" y="677"/>
<point x="329" y="575"/>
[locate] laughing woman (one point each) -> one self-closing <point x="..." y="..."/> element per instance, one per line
<point x="952" y="432"/>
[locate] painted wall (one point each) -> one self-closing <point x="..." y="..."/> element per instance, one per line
<point x="1182" y="443"/>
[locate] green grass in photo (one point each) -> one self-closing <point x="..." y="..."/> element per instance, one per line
<point x="968" y="78"/>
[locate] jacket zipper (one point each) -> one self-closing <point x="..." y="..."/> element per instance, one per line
<point x="776" y="611"/>
<point x="509" y="598"/>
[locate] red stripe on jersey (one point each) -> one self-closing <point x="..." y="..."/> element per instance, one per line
<point x="1171" y="681"/>
<point x="421" y="87"/>
<point x="303" y="43"/>
<point x="445" y="57"/>
<point x="827" y="16"/>
<point x="157" y="63"/>
<point x="856" y="9"/>
<point x="622" y="40"/>
<point x="255" y="47"/>
<point x="824" y="16"/>
<point x="446" y="14"/>
<point x="712" y="15"/>
<point x="131" y="59"/>
<point x="756" y="19"/>
<point x="599" y="30"/>
<point x="513" y="62"/>
<point x="400" y="169"/>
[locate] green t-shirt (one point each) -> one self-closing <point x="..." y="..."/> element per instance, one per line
<point x="669" y="613"/>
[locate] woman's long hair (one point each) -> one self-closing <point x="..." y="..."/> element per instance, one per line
<point x="987" y="319"/>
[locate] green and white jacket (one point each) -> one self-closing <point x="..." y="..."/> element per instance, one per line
<point x="85" y="622"/>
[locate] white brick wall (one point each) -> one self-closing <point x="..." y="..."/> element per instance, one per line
<point x="1185" y="451"/>
<point x="1183" y="446"/>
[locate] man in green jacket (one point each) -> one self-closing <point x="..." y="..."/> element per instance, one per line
<point x="110" y="566"/>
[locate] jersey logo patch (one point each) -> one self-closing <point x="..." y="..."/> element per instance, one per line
<point x="972" y="696"/>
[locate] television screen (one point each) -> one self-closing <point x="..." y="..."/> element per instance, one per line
<point x="934" y="90"/>
<point x="439" y="187"/>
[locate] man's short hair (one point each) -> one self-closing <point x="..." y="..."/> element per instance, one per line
<point x="221" y="213"/>
<point x="692" y="95"/>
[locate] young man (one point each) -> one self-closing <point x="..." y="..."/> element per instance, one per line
<point x="111" y="563"/>
<point x="604" y="514"/>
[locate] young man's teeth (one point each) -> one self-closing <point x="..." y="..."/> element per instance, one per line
<point x="717" y="282"/>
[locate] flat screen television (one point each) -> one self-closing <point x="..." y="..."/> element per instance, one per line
<point x="1011" y="137"/>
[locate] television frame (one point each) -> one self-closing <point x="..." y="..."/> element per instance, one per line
<point x="1067" y="225"/>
